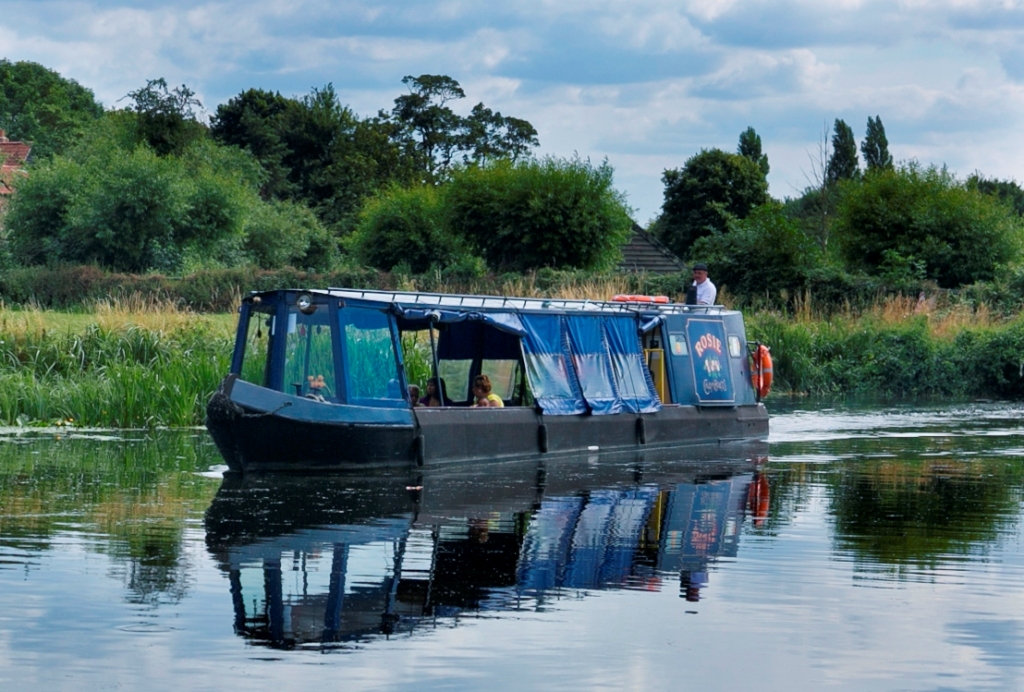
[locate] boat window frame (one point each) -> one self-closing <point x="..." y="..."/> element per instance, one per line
<point x="341" y="352"/>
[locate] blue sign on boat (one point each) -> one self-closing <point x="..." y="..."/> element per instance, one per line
<point x="711" y="377"/>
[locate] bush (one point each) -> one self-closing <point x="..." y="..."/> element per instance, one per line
<point x="766" y="252"/>
<point x="554" y="213"/>
<point x="914" y="223"/>
<point x="405" y="227"/>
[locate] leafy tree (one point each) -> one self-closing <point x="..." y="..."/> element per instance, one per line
<point x="750" y="146"/>
<point x="166" y="117"/>
<point x="843" y="164"/>
<point x="765" y="252"/>
<point x="437" y="136"/>
<point x="925" y="220"/>
<point x="126" y="208"/>
<point x="405" y="227"/>
<point x="283" y="233"/>
<point x="875" y="146"/>
<point x="314" y="150"/>
<point x="550" y="213"/>
<point x="1007" y="190"/>
<point x="256" y="120"/>
<point x="37" y="105"/>
<point x="713" y="188"/>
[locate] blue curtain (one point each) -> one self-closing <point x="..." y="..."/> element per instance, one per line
<point x="632" y="378"/>
<point x="552" y="378"/>
<point x="590" y="356"/>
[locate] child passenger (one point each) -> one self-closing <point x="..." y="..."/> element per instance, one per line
<point x="483" y="394"/>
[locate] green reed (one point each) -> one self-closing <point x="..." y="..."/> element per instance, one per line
<point x="893" y="358"/>
<point x="122" y="377"/>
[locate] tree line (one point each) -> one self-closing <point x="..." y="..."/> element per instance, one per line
<point x="270" y="181"/>
<point x="901" y="224"/>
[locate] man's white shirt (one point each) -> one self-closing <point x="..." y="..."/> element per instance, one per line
<point x="706" y="292"/>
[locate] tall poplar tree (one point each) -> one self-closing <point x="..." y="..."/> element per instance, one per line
<point x="843" y="164"/>
<point x="750" y="146"/>
<point x="875" y="146"/>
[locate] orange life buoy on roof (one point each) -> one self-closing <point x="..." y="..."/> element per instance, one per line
<point x="761" y="370"/>
<point x="623" y="298"/>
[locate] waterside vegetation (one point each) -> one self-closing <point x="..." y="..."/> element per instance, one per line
<point x="135" y="362"/>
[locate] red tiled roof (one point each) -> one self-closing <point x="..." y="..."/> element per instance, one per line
<point x="13" y="155"/>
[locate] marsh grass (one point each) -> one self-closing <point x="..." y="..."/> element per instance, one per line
<point x="132" y="361"/>
<point x="127" y="364"/>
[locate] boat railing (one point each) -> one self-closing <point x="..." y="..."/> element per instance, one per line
<point x="514" y="303"/>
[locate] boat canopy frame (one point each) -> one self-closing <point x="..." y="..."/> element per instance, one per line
<point x="579" y="356"/>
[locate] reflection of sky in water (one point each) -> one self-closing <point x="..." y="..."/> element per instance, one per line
<point x="791" y="606"/>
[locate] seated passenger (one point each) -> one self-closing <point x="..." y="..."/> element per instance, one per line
<point x="434" y="397"/>
<point x="414" y="394"/>
<point x="483" y="394"/>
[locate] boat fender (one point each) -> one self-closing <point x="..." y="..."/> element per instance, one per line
<point x="641" y="431"/>
<point x="542" y="438"/>
<point x="761" y="371"/>
<point x="421" y="451"/>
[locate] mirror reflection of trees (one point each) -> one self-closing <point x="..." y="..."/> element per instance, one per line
<point x="901" y="515"/>
<point x="128" y="496"/>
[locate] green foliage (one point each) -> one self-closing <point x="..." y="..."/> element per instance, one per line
<point x="750" y="147"/>
<point x="436" y="136"/>
<point x="712" y="189"/>
<point x="37" y="105"/>
<point x="549" y="213"/>
<point x="287" y="234"/>
<point x="926" y="220"/>
<point x="165" y="118"/>
<point x="406" y="227"/>
<point x="1008" y="191"/>
<point x="126" y="208"/>
<point x="123" y="378"/>
<point x="842" y="164"/>
<point x="875" y="147"/>
<point x="314" y="150"/>
<point x="765" y="252"/>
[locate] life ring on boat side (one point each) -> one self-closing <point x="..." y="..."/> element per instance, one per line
<point x="761" y="371"/>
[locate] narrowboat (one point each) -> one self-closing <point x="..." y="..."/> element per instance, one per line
<point x="320" y="379"/>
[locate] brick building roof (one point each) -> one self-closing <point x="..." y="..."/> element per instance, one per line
<point x="13" y="156"/>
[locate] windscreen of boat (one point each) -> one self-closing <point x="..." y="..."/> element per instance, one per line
<point x="371" y="365"/>
<point x="309" y="355"/>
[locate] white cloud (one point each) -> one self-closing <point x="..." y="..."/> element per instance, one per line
<point x="646" y="83"/>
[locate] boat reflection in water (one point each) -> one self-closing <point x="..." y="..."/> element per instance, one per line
<point x="321" y="561"/>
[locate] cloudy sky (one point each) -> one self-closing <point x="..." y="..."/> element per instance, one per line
<point x="643" y="83"/>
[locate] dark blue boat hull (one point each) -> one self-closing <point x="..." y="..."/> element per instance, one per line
<point x="257" y="429"/>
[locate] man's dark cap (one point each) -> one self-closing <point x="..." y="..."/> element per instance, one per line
<point x="701" y="266"/>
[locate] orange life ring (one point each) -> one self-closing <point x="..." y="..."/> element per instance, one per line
<point x="623" y="298"/>
<point x="761" y="371"/>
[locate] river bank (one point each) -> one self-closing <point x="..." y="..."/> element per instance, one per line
<point x="144" y="363"/>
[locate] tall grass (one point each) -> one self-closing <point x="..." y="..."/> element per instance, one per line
<point x="122" y="366"/>
<point x="898" y="347"/>
<point x="141" y="363"/>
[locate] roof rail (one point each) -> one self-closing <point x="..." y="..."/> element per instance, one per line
<point x="514" y="303"/>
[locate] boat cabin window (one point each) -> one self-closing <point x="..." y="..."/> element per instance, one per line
<point x="371" y="366"/>
<point x="255" y="358"/>
<point x="309" y="355"/>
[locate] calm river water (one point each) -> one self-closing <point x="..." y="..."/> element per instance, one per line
<point x="862" y="549"/>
